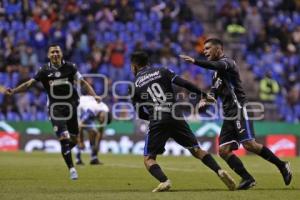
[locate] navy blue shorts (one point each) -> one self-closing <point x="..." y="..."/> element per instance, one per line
<point x="64" y="120"/>
<point x="236" y="131"/>
<point x="159" y="133"/>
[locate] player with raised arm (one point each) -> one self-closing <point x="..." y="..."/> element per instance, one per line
<point x="93" y="118"/>
<point x="154" y="100"/>
<point x="58" y="78"/>
<point x="237" y="127"/>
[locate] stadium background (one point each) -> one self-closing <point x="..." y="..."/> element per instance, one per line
<point x="263" y="36"/>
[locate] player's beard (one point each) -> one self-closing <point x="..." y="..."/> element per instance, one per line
<point x="56" y="62"/>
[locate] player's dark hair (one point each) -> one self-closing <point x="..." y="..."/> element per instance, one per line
<point x="53" y="45"/>
<point x="139" y="58"/>
<point x="214" y="41"/>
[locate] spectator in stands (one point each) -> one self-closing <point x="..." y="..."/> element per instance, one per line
<point x="87" y="31"/>
<point x="116" y="54"/>
<point x="105" y="18"/>
<point x="268" y="88"/>
<point x="124" y="12"/>
<point x="28" y="57"/>
<point x="253" y="23"/>
<point x="2" y="10"/>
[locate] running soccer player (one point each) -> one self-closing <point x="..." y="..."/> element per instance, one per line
<point x="154" y="100"/>
<point x="58" y="78"/>
<point x="237" y="127"/>
<point x="93" y="118"/>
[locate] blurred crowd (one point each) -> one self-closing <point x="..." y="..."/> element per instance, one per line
<point x="99" y="36"/>
<point x="271" y="30"/>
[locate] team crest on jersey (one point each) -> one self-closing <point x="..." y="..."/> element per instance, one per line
<point x="57" y="74"/>
<point x="238" y="124"/>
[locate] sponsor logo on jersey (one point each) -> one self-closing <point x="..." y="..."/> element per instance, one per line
<point x="60" y="81"/>
<point x="238" y="124"/>
<point x="147" y="78"/>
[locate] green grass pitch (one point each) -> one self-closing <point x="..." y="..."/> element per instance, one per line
<point x="41" y="176"/>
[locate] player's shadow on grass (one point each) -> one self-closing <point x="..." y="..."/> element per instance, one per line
<point x="199" y="190"/>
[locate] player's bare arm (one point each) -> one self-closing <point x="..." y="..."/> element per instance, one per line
<point x="21" y="88"/>
<point x="2" y="89"/>
<point x="90" y="90"/>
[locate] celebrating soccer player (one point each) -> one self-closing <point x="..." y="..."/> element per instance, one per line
<point x="58" y="78"/>
<point x="154" y="100"/>
<point x="237" y="127"/>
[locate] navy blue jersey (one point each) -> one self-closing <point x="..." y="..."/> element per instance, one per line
<point x="59" y="82"/>
<point x="154" y="94"/>
<point x="154" y="97"/>
<point x="228" y="86"/>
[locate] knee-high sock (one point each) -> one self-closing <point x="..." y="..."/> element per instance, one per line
<point x="210" y="162"/>
<point x="268" y="155"/>
<point x="236" y="165"/>
<point x="156" y="171"/>
<point x="66" y="152"/>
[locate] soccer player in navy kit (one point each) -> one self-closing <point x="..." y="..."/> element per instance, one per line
<point x="154" y="100"/>
<point x="58" y="78"/>
<point x="237" y="127"/>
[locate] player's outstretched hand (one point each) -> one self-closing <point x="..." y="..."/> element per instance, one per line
<point x="2" y="89"/>
<point x="9" y="91"/>
<point x="204" y="103"/>
<point x="210" y="99"/>
<point x="187" y="58"/>
<point x="98" y="99"/>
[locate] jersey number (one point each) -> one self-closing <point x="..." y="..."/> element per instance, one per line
<point x="156" y="93"/>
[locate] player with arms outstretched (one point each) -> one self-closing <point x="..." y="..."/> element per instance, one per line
<point x="58" y="78"/>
